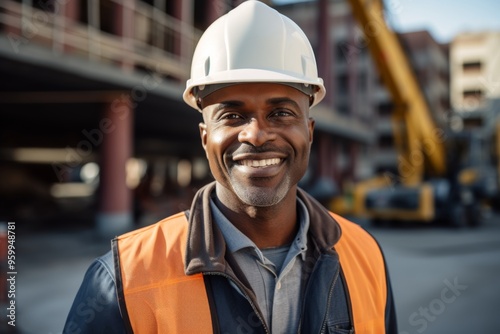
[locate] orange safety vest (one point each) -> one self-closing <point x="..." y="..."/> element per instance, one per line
<point x="161" y="298"/>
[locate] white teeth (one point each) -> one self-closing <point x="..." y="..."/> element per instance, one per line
<point x="260" y="163"/>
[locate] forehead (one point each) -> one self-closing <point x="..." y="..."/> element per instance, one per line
<point x="256" y="93"/>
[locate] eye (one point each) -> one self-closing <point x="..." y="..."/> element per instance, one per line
<point x="231" y="116"/>
<point x="282" y="113"/>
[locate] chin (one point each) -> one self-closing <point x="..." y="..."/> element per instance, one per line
<point x="261" y="197"/>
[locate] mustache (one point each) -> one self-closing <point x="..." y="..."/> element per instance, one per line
<point x="249" y="149"/>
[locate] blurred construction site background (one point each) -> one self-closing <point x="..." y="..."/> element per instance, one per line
<point x="95" y="140"/>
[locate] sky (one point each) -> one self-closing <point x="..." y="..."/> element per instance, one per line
<point x="443" y="18"/>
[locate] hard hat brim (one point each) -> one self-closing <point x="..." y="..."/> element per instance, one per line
<point x="240" y="76"/>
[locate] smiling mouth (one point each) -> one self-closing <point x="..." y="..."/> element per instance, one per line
<point x="260" y="163"/>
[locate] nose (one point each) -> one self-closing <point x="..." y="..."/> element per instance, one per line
<point x="256" y="133"/>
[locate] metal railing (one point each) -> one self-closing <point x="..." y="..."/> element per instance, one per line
<point x="151" y="39"/>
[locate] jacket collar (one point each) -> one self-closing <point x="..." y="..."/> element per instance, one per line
<point x="206" y="248"/>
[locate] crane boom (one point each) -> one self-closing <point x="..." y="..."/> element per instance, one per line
<point x="440" y="177"/>
<point x="419" y="139"/>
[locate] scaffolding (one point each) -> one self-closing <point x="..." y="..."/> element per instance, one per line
<point x="137" y="36"/>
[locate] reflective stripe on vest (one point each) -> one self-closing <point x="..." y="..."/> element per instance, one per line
<point x="160" y="298"/>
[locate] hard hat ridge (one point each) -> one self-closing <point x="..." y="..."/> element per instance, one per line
<point x="253" y="43"/>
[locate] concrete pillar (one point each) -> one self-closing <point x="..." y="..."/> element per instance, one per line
<point x="187" y="47"/>
<point x="214" y="10"/>
<point x="353" y="160"/>
<point x="183" y="10"/>
<point x="72" y="10"/>
<point x="328" y="157"/>
<point x="325" y="185"/>
<point x="177" y="13"/>
<point x="124" y="27"/>
<point x="323" y="156"/>
<point x="71" y="16"/>
<point x="324" y="49"/>
<point x="352" y="69"/>
<point x="115" y="216"/>
<point x="334" y="156"/>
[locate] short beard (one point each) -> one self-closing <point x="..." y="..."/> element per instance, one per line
<point x="262" y="197"/>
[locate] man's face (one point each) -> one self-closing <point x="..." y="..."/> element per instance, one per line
<point x="257" y="139"/>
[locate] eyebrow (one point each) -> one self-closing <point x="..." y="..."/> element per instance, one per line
<point x="228" y="104"/>
<point x="282" y="100"/>
<point x="271" y="101"/>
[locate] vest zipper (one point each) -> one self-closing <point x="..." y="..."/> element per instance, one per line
<point x="241" y="287"/>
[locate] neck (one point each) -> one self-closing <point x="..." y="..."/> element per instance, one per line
<point x="272" y="226"/>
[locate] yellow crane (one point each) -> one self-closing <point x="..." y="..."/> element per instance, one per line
<point x="429" y="185"/>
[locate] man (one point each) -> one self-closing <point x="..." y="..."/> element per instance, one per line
<point x="254" y="254"/>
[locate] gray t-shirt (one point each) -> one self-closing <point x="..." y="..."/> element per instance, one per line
<point x="274" y="274"/>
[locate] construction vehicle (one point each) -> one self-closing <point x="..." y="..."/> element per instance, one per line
<point x="441" y="174"/>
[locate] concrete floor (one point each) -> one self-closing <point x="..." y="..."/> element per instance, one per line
<point x="445" y="281"/>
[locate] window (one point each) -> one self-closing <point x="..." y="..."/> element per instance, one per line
<point x="385" y="109"/>
<point x="472" y="93"/>
<point x="472" y="97"/>
<point x="345" y="51"/>
<point x="471" y="67"/>
<point x="386" y="141"/>
<point x="342" y="84"/>
<point x="362" y="82"/>
<point x="343" y="109"/>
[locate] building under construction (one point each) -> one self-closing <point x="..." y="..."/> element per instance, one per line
<point x="94" y="129"/>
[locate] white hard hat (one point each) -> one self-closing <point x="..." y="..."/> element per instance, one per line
<point x="253" y="43"/>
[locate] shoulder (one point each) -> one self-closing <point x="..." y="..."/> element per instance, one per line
<point x="105" y="264"/>
<point x="351" y="229"/>
<point x="157" y="249"/>
<point x="101" y="270"/>
<point x="95" y="307"/>
<point x="169" y="233"/>
<point x="353" y="236"/>
<point x="100" y="279"/>
<point x="172" y="223"/>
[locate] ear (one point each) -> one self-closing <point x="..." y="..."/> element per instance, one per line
<point x="203" y="135"/>
<point x="311" y="124"/>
